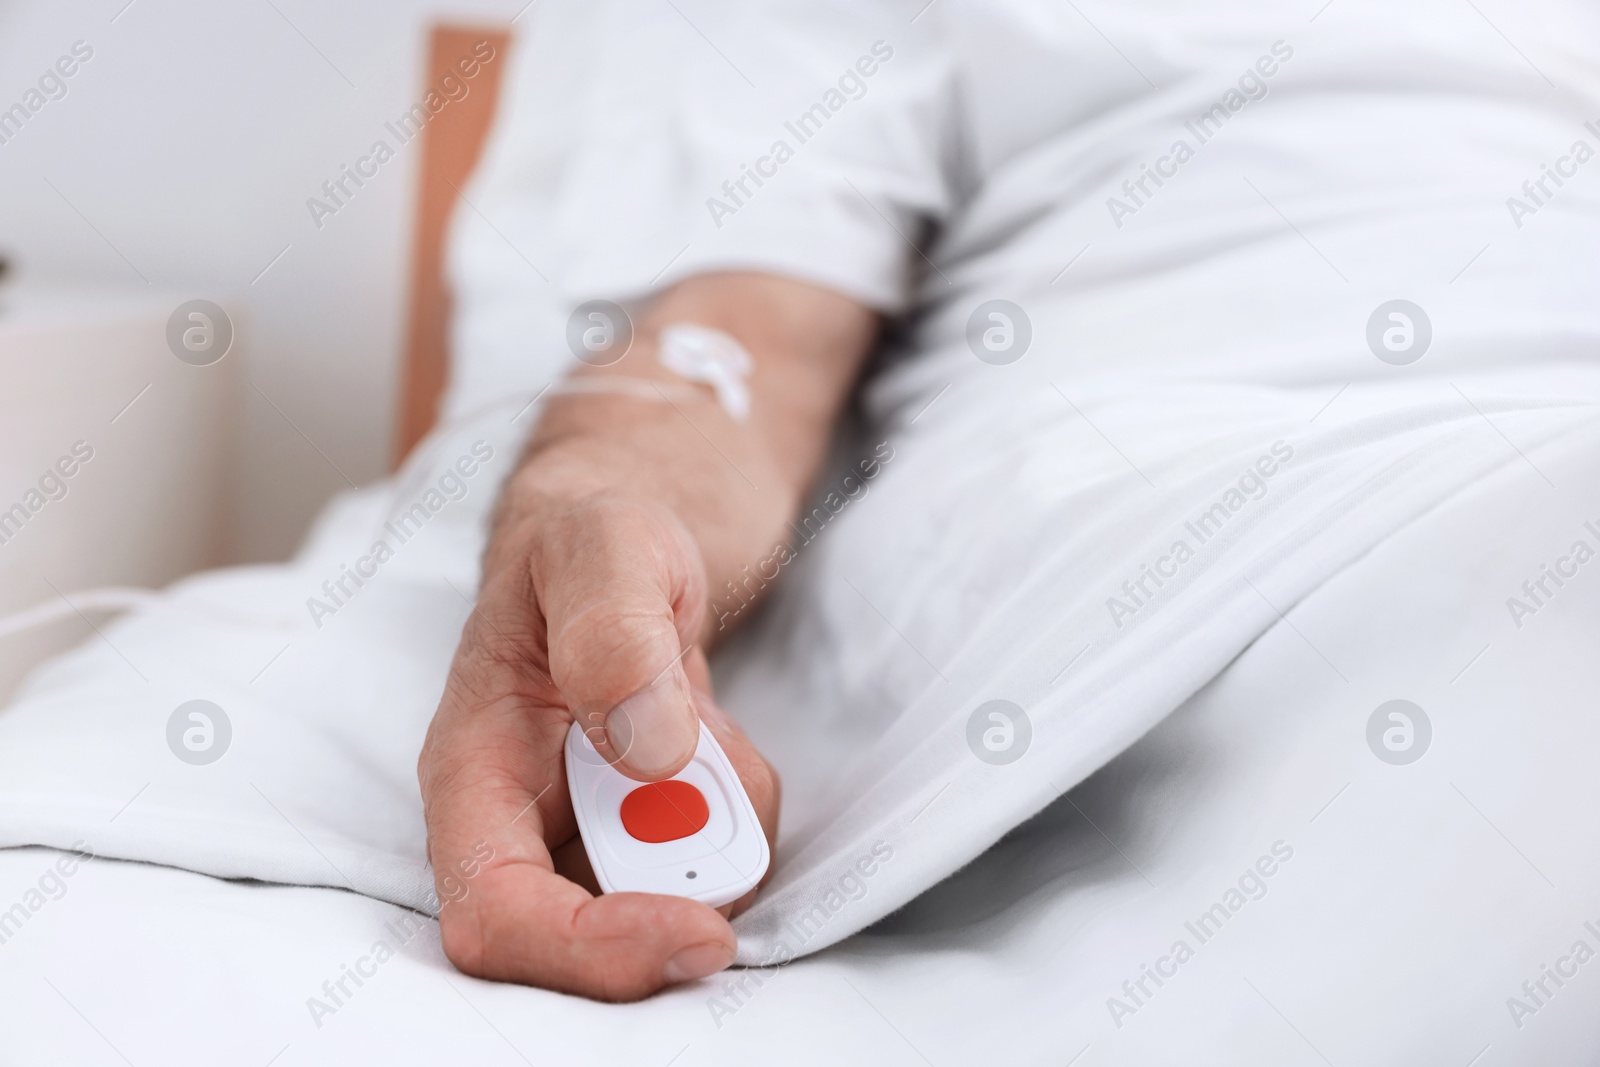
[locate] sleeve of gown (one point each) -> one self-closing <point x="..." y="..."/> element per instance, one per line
<point x="643" y="142"/>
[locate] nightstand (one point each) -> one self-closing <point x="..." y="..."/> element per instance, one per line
<point x="115" y="455"/>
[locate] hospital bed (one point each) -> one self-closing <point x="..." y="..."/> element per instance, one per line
<point x="1316" y="798"/>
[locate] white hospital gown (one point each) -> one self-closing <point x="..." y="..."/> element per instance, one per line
<point x="1317" y="163"/>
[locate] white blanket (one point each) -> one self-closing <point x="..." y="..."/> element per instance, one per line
<point x="1411" y="909"/>
<point x="890" y="634"/>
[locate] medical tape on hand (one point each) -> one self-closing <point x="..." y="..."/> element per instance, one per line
<point x="711" y="357"/>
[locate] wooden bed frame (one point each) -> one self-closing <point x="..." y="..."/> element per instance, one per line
<point x="451" y="145"/>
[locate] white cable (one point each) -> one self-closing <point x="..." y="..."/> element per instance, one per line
<point x="640" y="388"/>
<point x="712" y="357"/>
<point x="116" y="598"/>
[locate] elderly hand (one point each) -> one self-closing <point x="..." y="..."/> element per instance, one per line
<point x="593" y="607"/>
<point x="587" y="614"/>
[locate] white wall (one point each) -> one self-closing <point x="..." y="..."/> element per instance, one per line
<point x="191" y="141"/>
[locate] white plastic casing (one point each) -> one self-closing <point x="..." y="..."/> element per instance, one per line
<point x="715" y="865"/>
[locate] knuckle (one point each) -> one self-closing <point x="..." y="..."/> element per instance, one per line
<point x="614" y="627"/>
<point x="608" y="538"/>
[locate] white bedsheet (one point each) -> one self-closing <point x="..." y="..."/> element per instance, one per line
<point x="1416" y="900"/>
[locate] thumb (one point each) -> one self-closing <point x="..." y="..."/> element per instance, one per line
<point x="621" y="586"/>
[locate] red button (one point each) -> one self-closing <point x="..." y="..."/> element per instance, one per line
<point x="664" y="811"/>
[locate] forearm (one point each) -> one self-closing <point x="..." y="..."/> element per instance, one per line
<point x="734" y="485"/>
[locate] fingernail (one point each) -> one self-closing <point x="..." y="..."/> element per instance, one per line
<point x="652" y="731"/>
<point x="697" y="961"/>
